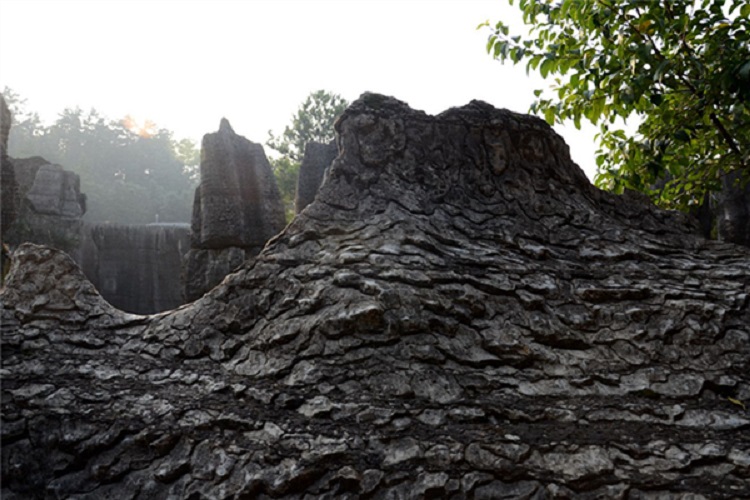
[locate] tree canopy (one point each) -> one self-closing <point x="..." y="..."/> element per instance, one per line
<point x="313" y="121"/>
<point x="679" y="67"/>
<point x="131" y="173"/>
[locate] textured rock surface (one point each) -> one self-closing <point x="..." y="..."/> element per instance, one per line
<point x="5" y="121"/>
<point x="237" y="202"/>
<point x="315" y="162"/>
<point x="237" y="209"/>
<point x="458" y="314"/>
<point x="50" y="205"/>
<point x="136" y="268"/>
<point x="26" y="169"/>
<point x="732" y="212"/>
<point x="56" y="192"/>
<point x="8" y="184"/>
<point x="206" y="268"/>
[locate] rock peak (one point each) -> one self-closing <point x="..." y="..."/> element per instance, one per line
<point x="470" y="157"/>
<point x="225" y="127"/>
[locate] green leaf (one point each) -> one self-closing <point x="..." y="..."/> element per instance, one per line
<point x="684" y="71"/>
<point x="549" y="116"/>
<point x="499" y="49"/>
<point x="546" y="67"/>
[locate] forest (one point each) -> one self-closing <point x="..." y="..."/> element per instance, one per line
<point x="139" y="173"/>
<point x="131" y="173"/>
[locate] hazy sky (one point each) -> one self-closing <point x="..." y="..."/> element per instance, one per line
<point x="184" y="64"/>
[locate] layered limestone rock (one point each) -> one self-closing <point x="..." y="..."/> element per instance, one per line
<point x="204" y="268"/>
<point x="237" y="209"/>
<point x="315" y="162"/>
<point x="26" y="170"/>
<point x="8" y="184"/>
<point x="136" y="268"/>
<point x="459" y="313"/>
<point x="56" y="192"/>
<point x="50" y="205"/>
<point x="731" y="211"/>
<point x="237" y="203"/>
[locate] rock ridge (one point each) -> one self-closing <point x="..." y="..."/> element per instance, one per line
<point x="457" y="314"/>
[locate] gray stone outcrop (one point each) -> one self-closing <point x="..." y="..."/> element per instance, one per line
<point x="50" y="205"/>
<point x="136" y="268"/>
<point x="237" y="203"/>
<point x="8" y="184"/>
<point x="56" y="191"/>
<point x="315" y="162"/>
<point x="204" y="268"/>
<point x="236" y="210"/>
<point x="731" y="211"/>
<point x="458" y="314"/>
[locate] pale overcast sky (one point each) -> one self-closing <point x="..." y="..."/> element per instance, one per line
<point x="184" y="64"/>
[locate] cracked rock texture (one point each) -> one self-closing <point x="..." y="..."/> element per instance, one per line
<point x="458" y="314"/>
<point x="315" y="162"/>
<point x="49" y="205"/>
<point x="136" y="268"/>
<point x="8" y="184"/>
<point x="237" y="209"/>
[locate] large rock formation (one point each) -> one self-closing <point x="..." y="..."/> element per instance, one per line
<point x="50" y="205"/>
<point x="731" y="211"/>
<point x="136" y="268"/>
<point x="237" y="208"/>
<point x="458" y="314"/>
<point x="237" y="203"/>
<point x="8" y="184"/>
<point x="315" y="162"/>
<point x="56" y="192"/>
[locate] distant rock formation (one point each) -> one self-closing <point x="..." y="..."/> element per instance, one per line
<point x="316" y="160"/>
<point x="237" y="209"/>
<point x="8" y="184"/>
<point x="26" y="170"/>
<point x="237" y="203"/>
<point x="458" y="314"/>
<point x="51" y="205"/>
<point x="137" y="269"/>
<point x="6" y="119"/>
<point x="731" y="211"/>
<point x="56" y="192"/>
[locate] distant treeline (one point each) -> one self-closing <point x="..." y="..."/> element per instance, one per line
<point x="131" y="173"/>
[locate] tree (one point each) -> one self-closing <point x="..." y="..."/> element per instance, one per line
<point x="131" y="173"/>
<point x="681" y="67"/>
<point x="313" y="121"/>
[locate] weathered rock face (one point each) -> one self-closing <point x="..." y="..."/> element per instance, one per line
<point x="26" y="170"/>
<point x="56" y="192"/>
<point x="458" y="314"/>
<point x="237" y="208"/>
<point x="315" y="162"/>
<point x="50" y="205"/>
<point x="732" y="212"/>
<point x="237" y="202"/>
<point x="5" y="121"/>
<point x="203" y="269"/>
<point x="8" y="184"/>
<point x="136" y="268"/>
